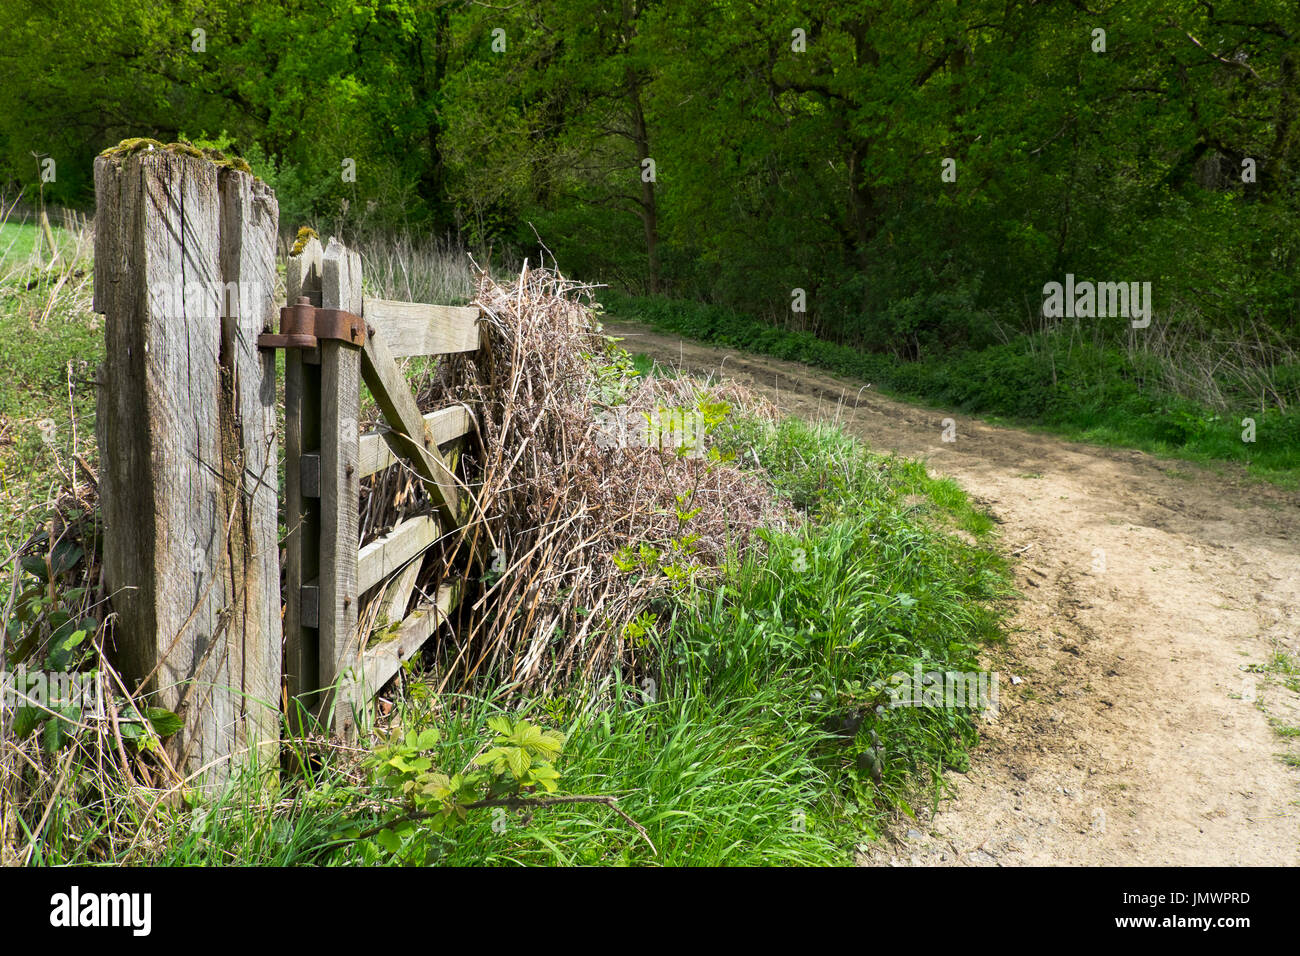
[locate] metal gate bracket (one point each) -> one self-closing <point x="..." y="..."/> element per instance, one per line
<point x="302" y="326"/>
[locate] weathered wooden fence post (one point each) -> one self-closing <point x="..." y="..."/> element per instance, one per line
<point x="340" y="485"/>
<point x="185" y="277"/>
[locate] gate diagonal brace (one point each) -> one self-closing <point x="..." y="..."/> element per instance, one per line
<point x="302" y="326"/>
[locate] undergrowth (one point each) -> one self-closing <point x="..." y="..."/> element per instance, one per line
<point x="754" y="729"/>
<point x="762" y="736"/>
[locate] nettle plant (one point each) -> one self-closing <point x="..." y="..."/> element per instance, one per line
<point x="675" y="561"/>
<point x="48" y="624"/>
<point x="614" y="378"/>
<point x="48" y="630"/>
<point x="426" y="800"/>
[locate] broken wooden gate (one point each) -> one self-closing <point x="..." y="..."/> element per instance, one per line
<point x="185" y="272"/>
<point x="335" y="338"/>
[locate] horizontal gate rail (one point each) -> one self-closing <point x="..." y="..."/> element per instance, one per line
<point x="386" y="556"/>
<point x="412" y="328"/>
<point x="374" y="455"/>
<point x="444" y="425"/>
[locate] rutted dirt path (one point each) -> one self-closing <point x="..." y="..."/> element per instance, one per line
<point x="1153" y="591"/>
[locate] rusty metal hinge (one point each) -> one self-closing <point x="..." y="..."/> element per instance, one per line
<point x="302" y="326"/>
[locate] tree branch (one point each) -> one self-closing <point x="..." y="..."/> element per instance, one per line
<point x="519" y="803"/>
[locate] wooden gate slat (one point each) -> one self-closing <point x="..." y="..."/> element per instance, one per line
<point x="339" y="482"/>
<point x="397" y="594"/>
<point x="409" y="436"/>
<point x="444" y="425"/>
<point x="413" y="328"/>
<point x="383" y="556"/>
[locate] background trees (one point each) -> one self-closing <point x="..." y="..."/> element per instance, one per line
<point x="793" y="144"/>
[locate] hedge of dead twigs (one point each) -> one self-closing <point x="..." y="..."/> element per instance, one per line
<point x="580" y="537"/>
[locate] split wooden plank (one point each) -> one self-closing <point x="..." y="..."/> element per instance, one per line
<point x="408" y="434"/>
<point x="302" y="438"/>
<point x="413" y="328"/>
<point x="339" y="481"/>
<point x="383" y="659"/>
<point x="444" y="425"/>
<point x="397" y="595"/>
<point x="384" y="556"/>
<point x="249" y="225"/>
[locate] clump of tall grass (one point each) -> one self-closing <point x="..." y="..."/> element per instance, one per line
<point x="761" y="735"/>
<point x="67" y="773"/>
<point x="433" y="269"/>
<point x="1222" y="369"/>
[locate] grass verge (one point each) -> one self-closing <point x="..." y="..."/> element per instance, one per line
<point x="1081" y="390"/>
<point x="763" y="737"/>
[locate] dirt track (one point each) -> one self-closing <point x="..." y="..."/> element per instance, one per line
<point x="1153" y="591"/>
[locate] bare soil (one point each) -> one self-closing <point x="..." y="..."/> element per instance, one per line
<point x="1139" y="689"/>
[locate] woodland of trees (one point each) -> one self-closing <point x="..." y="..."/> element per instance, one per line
<point x="919" y="168"/>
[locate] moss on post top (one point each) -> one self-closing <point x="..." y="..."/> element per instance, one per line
<point x="135" y="145"/>
<point x="141" y="144"/>
<point x="305" y="235"/>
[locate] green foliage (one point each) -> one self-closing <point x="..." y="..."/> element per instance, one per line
<point x="615" y="377"/>
<point x="430" y="801"/>
<point x="46" y="616"/>
<point x="776" y="168"/>
<point x="747" y="736"/>
<point x="740" y="755"/>
<point x="51" y="632"/>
